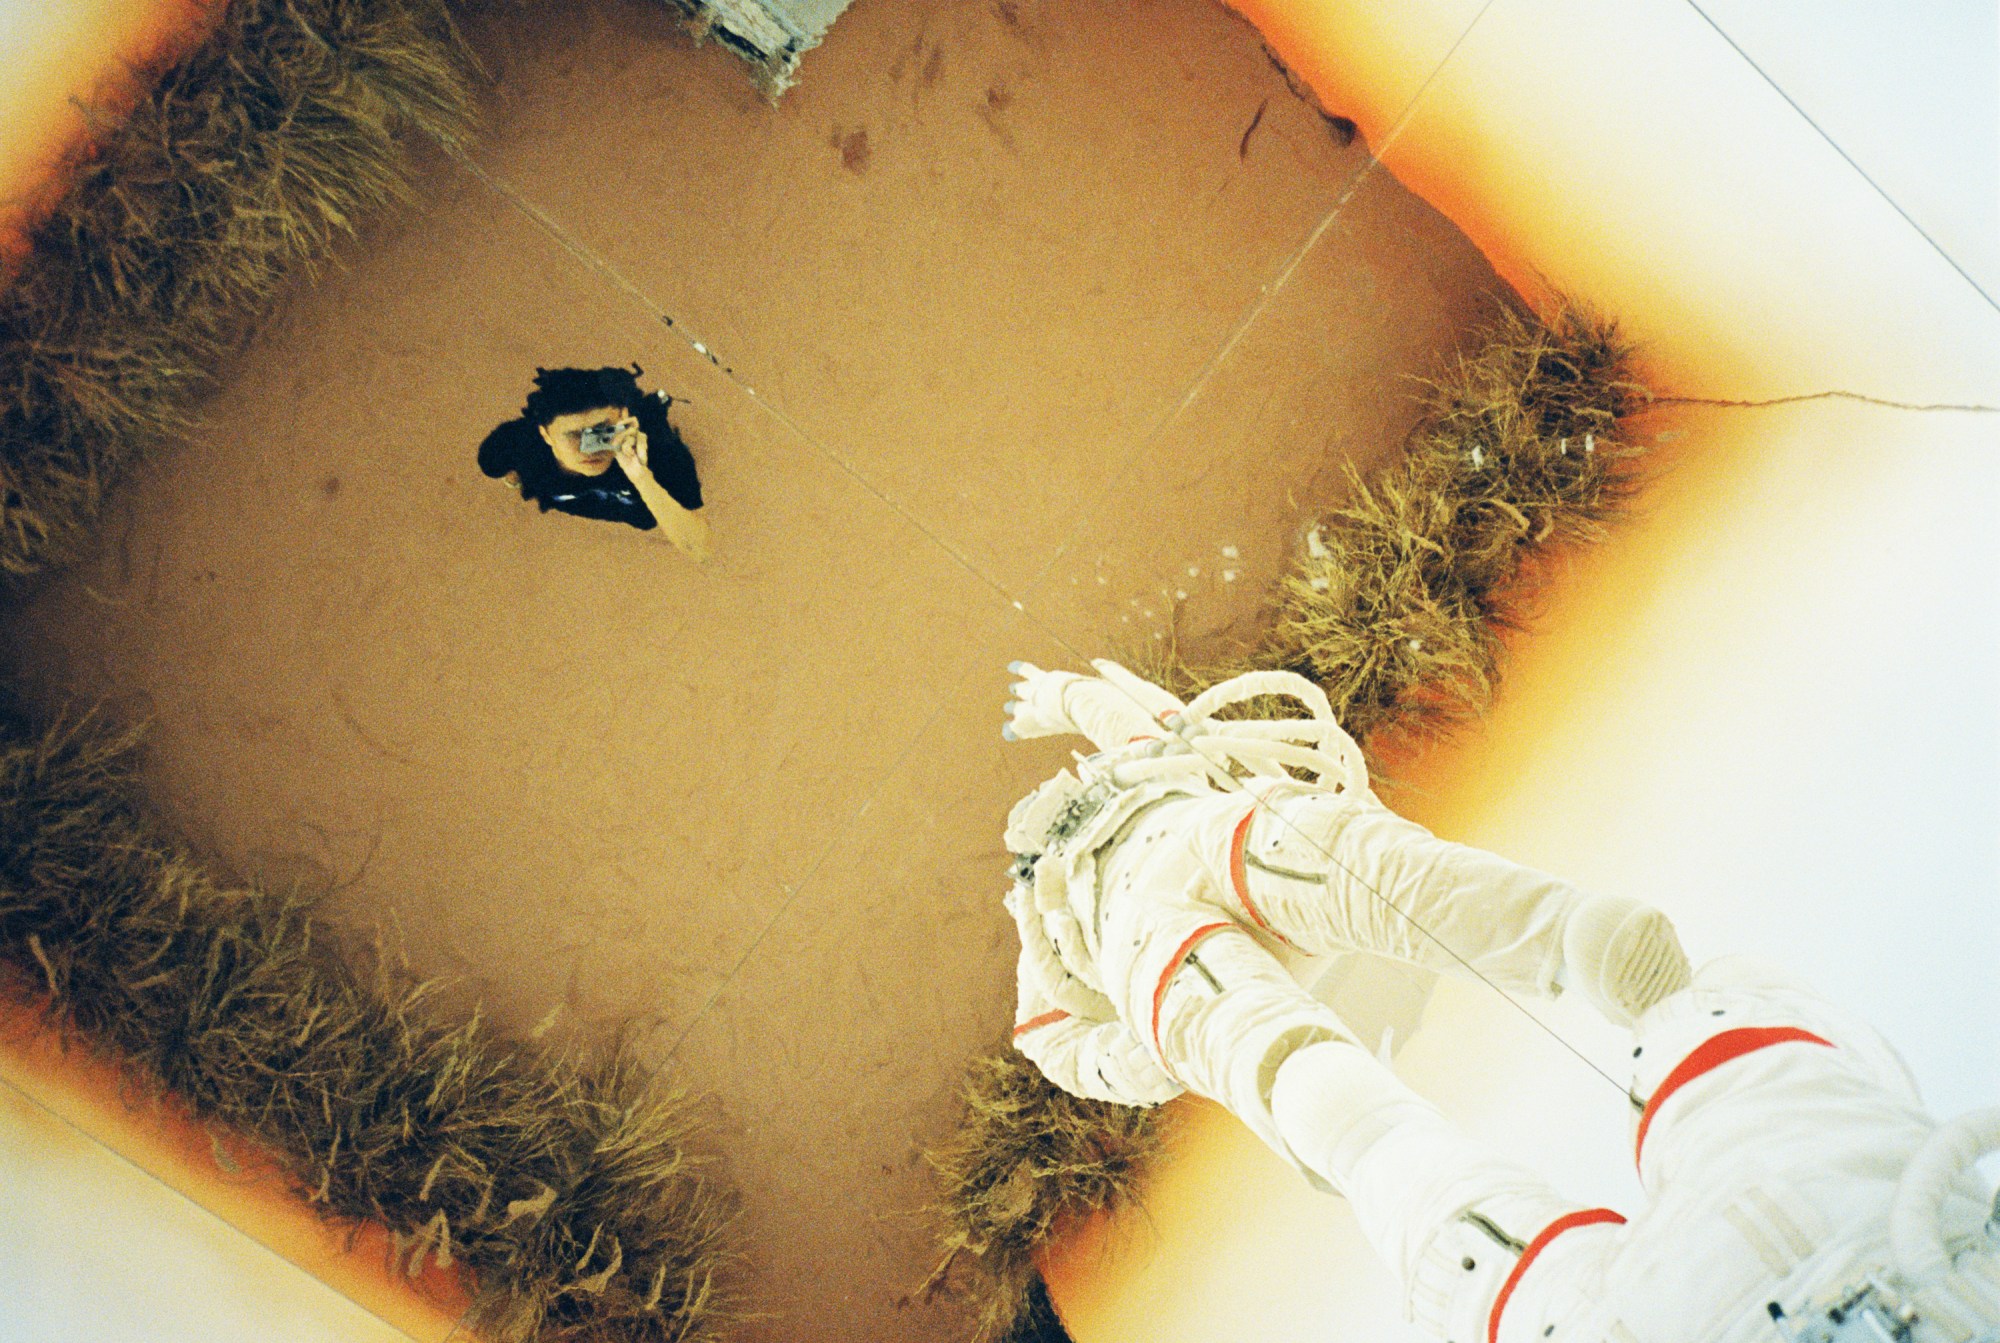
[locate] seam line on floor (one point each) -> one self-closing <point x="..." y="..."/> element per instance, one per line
<point x="1168" y="417"/>
<point x="891" y="774"/>
<point x="1256" y="310"/>
<point x="894" y="769"/>
<point x="592" y="261"/>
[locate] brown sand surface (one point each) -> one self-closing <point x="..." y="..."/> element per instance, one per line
<point x="1021" y="326"/>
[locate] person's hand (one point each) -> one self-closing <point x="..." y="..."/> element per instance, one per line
<point x="631" y="447"/>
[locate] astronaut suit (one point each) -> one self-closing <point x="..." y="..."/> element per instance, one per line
<point x="1172" y="892"/>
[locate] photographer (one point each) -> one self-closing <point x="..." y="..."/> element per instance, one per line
<point x="580" y="424"/>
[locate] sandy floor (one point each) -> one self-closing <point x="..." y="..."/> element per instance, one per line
<point x="1019" y="326"/>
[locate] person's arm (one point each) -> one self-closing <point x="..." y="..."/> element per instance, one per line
<point x="687" y="530"/>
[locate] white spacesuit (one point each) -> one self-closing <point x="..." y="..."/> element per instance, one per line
<point x="1173" y="890"/>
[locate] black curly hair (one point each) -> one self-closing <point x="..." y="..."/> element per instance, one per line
<point x="565" y="391"/>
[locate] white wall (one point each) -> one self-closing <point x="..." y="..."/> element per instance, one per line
<point x="1910" y="92"/>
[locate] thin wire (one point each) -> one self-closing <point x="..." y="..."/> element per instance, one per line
<point x="1173" y="413"/>
<point x="1819" y="130"/>
<point x="594" y="262"/>
<point x="1257" y="310"/>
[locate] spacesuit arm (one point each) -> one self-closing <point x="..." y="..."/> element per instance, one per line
<point x="1084" y="1054"/>
<point x="1097" y="1060"/>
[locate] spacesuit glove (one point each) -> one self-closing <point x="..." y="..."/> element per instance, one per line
<point x="1112" y="708"/>
<point x="1035" y="707"/>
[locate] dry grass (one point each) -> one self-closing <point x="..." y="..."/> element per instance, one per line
<point x="1026" y="1158"/>
<point x="565" y="1189"/>
<point x="241" y="167"/>
<point x="1518" y="449"/>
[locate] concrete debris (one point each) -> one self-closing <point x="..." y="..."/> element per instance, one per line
<point x="770" y="34"/>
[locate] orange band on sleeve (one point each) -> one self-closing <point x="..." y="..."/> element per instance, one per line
<point x="1239" y="876"/>
<point x="1167" y="975"/>
<point x="1036" y="1023"/>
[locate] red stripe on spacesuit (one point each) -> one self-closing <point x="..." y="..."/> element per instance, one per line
<point x="1167" y="976"/>
<point x="1712" y="1054"/>
<point x="1045" y="1019"/>
<point x="1239" y="877"/>
<point x="1569" y="1222"/>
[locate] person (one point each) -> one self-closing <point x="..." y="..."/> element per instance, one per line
<point x="640" y="474"/>
<point x="1172" y="892"/>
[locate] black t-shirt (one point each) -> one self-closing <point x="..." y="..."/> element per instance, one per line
<point x="518" y="446"/>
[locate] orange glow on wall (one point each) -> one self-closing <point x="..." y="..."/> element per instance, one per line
<point x="63" y="56"/>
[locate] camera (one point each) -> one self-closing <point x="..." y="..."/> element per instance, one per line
<point x="599" y="438"/>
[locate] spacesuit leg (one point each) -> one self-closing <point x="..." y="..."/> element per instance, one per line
<point x="1453" y="1221"/>
<point x="1166" y="952"/>
<point x="1483" y="1248"/>
<point x="1226" y="1020"/>
<point x="1216" y="1009"/>
<point x="1328" y="872"/>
